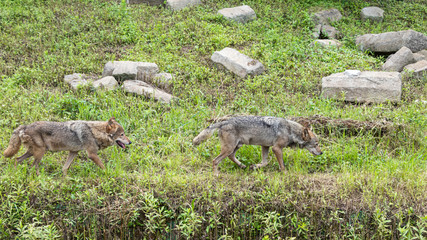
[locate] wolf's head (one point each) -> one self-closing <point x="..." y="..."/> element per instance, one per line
<point x="311" y="143"/>
<point x="117" y="133"/>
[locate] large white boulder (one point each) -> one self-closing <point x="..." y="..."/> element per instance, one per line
<point x="357" y="86"/>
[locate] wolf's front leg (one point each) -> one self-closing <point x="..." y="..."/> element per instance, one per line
<point x="94" y="157"/>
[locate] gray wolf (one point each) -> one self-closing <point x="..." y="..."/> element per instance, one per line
<point x="275" y="132"/>
<point x="72" y="136"/>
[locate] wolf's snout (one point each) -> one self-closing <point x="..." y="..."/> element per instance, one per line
<point x="130" y="142"/>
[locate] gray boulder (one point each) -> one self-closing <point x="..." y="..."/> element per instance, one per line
<point x="242" y="14"/>
<point x="390" y="42"/>
<point x="107" y="83"/>
<point x="419" y="57"/>
<point x="76" y="80"/>
<point x="327" y="17"/>
<point x="142" y="88"/>
<point x="330" y="32"/>
<point x="400" y="59"/>
<point x="423" y="52"/>
<point x="127" y="70"/>
<point x="417" y="70"/>
<point x="238" y="63"/>
<point x="356" y="86"/>
<point x="180" y="4"/>
<point x="375" y="14"/>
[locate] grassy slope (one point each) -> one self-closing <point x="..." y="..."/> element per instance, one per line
<point x="361" y="187"/>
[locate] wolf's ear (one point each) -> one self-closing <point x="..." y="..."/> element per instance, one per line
<point x="306" y="134"/>
<point x="111" y="121"/>
<point x="110" y="124"/>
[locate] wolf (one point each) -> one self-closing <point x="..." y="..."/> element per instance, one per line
<point x="72" y="136"/>
<point x="266" y="131"/>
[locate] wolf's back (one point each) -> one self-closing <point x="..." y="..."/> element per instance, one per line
<point x="14" y="143"/>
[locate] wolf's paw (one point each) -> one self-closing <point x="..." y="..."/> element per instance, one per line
<point x="242" y="166"/>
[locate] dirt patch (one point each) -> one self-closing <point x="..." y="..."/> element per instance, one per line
<point x="327" y="126"/>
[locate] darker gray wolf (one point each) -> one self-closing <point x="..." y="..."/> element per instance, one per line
<point x="72" y="136"/>
<point x="267" y="132"/>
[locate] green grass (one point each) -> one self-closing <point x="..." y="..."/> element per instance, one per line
<point x="363" y="186"/>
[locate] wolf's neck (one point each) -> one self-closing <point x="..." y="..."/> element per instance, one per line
<point x="99" y="131"/>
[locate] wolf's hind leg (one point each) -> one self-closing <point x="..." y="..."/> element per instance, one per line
<point x="234" y="159"/>
<point x="264" y="156"/>
<point x="67" y="164"/>
<point x="225" y="152"/>
<point x="24" y="156"/>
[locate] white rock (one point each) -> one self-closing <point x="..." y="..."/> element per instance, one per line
<point x="418" y="69"/>
<point x="142" y="88"/>
<point x="391" y="42"/>
<point x="375" y="14"/>
<point x="352" y="73"/>
<point x="365" y="87"/>
<point x="240" y="14"/>
<point x="326" y="17"/>
<point x="238" y="63"/>
<point x="76" y="80"/>
<point x="107" y="83"/>
<point x="327" y="43"/>
<point x="128" y="70"/>
<point x="180" y="4"/>
<point x="400" y="59"/>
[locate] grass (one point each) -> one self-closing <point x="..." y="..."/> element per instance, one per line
<point x="363" y="186"/>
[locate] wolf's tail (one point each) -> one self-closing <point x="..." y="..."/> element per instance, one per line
<point x="206" y="133"/>
<point x="14" y="143"/>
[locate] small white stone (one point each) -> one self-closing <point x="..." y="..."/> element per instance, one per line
<point x="352" y="73"/>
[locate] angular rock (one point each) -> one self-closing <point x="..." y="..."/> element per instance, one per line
<point x="108" y="69"/>
<point x="242" y="14"/>
<point x="149" y="2"/>
<point x="329" y="32"/>
<point x="76" y="80"/>
<point x="419" y="57"/>
<point x="326" y="17"/>
<point x="390" y="42"/>
<point x="375" y="14"/>
<point x="127" y="70"/>
<point x="327" y="43"/>
<point x="400" y="59"/>
<point x="146" y="70"/>
<point x="107" y="83"/>
<point x="163" y="80"/>
<point x="142" y="88"/>
<point x="358" y="86"/>
<point x="423" y="52"/>
<point x="418" y="69"/>
<point x="180" y="4"/>
<point x="238" y="63"/>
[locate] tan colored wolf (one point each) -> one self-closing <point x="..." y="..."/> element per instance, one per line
<point x="72" y="136"/>
<point x="267" y="132"/>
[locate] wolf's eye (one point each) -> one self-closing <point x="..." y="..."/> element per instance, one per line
<point x="122" y="134"/>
